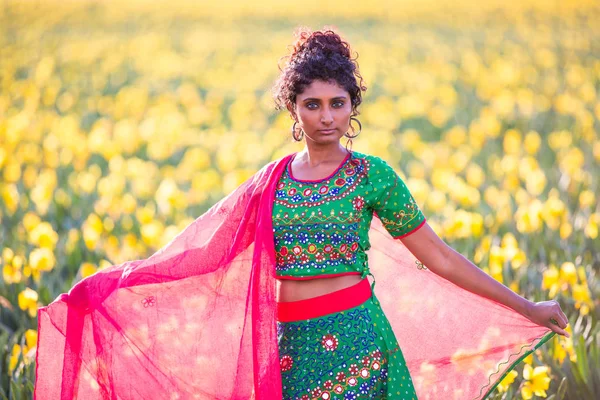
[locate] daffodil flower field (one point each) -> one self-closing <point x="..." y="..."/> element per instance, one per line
<point x="121" y="122"/>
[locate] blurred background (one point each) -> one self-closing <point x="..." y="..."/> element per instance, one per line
<point x="123" y="121"/>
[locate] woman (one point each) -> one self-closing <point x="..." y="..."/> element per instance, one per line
<point x="227" y="309"/>
<point x="320" y="91"/>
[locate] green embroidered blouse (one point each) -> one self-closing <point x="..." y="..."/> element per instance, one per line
<point x="321" y="227"/>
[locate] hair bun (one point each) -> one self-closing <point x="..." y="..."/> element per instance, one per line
<point x="327" y="42"/>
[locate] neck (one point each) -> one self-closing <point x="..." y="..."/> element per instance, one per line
<point x="314" y="156"/>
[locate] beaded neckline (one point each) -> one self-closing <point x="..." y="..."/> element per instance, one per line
<point x="291" y="175"/>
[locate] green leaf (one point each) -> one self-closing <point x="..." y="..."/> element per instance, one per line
<point x="562" y="389"/>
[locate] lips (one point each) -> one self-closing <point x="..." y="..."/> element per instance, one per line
<point x="326" y="131"/>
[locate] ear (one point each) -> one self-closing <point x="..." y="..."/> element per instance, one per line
<point x="292" y="110"/>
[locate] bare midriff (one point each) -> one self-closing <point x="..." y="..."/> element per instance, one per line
<point x="294" y="290"/>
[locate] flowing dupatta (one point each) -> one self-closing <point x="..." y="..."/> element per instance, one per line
<point x="197" y="319"/>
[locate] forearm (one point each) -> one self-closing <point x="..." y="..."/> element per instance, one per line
<point x="467" y="275"/>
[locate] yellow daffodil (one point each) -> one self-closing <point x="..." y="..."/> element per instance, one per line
<point x="507" y="381"/>
<point x="583" y="298"/>
<point x="28" y="301"/>
<point x="42" y="259"/>
<point x="532" y="142"/>
<point x="591" y="229"/>
<point x="512" y="141"/>
<point x="43" y="235"/>
<point x="536" y="381"/>
<point x="551" y="280"/>
<point x="14" y="358"/>
<point x="568" y="273"/>
<point x="87" y="269"/>
<point x="587" y="198"/>
<point x="563" y="346"/>
<point x="10" y="196"/>
<point x="11" y="273"/>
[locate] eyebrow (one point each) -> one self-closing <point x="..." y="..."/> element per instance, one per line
<point x="333" y="98"/>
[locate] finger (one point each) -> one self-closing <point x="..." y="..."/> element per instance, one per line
<point x="559" y="330"/>
<point x="564" y="316"/>
<point x="560" y="316"/>
<point x="561" y="320"/>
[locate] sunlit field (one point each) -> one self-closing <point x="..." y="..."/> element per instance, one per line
<point x="122" y="122"/>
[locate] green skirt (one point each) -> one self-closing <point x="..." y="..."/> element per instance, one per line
<point x="340" y="346"/>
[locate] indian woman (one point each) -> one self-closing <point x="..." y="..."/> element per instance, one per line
<point x="333" y="334"/>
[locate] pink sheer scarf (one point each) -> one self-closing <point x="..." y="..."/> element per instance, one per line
<point x="197" y="319"/>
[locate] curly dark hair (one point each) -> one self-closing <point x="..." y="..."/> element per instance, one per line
<point x="319" y="55"/>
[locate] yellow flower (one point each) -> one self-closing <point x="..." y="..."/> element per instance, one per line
<point x="10" y="195"/>
<point x="582" y="297"/>
<point x="591" y="229"/>
<point x="455" y="136"/>
<point x="496" y="255"/>
<point x="7" y="255"/>
<point x="43" y="235"/>
<point x="92" y="231"/>
<point x="536" y="182"/>
<point x="27" y="351"/>
<point x="87" y="269"/>
<point x="28" y="301"/>
<point x="152" y="233"/>
<point x="529" y="217"/>
<point x="411" y="139"/>
<point x="568" y="273"/>
<point x="507" y="381"/>
<point x="512" y="141"/>
<point x="572" y="161"/>
<point x="475" y="175"/>
<point x="518" y="260"/>
<point x="566" y="229"/>
<point x="510" y="246"/>
<point x="42" y="259"/>
<point x="536" y="381"/>
<point x="12" y="273"/>
<point x="31" y="220"/>
<point x="31" y="337"/>
<point x="553" y="210"/>
<point x="145" y="214"/>
<point x="532" y="142"/>
<point x="464" y="224"/>
<point x="563" y="346"/>
<point x="551" y="280"/>
<point x="436" y="201"/>
<point x="587" y="198"/>
<point x="14" y="358"/>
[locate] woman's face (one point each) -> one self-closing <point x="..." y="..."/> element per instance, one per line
<point x="323" y="106"/>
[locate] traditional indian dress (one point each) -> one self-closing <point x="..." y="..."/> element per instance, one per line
<point x="199" y="319"/>
<point x="340" y="345"/>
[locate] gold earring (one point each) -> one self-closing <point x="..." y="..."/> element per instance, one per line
<point x="294" y="132"/>
<point x="359" y="129"/>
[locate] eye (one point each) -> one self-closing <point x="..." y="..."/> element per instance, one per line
<point x="341" y="104"/>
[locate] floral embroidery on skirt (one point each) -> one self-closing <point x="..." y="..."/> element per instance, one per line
<point x="351" y="354"/>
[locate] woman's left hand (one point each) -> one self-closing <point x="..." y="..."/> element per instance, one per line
<point x="548" y="314"/>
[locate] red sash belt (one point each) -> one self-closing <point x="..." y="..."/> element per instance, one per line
<point x="343" y="299"/>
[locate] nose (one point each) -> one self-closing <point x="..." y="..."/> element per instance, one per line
<point x="326" y="117"/>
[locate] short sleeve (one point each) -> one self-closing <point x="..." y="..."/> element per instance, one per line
<point x="392" y="201"/>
